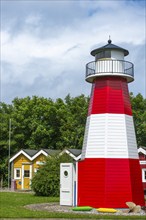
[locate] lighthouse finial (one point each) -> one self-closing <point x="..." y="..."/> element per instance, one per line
<point x="109" y="41"/>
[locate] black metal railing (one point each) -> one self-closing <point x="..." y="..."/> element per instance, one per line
<point x="110" y="66"/>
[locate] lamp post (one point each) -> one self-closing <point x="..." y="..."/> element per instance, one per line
<point x="9" y="153"/>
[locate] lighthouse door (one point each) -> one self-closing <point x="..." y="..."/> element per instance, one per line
<point x="66" y="184"/>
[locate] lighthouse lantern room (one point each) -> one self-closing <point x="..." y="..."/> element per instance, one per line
<point x="109" y="173"/>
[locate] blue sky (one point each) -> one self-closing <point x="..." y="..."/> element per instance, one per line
<point x="45" y="45"/>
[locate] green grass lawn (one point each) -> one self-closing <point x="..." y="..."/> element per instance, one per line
<point x="12" y="206"/>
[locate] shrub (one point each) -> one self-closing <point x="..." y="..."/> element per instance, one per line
<point x="46" y="181"/>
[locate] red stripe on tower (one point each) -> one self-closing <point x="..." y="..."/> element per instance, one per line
<point x="109" y="173"/>
<point x="110" y="95"/>
<point x="109" y="183"/>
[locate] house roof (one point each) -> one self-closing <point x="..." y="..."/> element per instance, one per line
<point x="142" y="150"/>
<point x="52" y="152"/>
<point x="142" y="147"/>
<point x="75" y="152"/>
<point x="32" y="154"/>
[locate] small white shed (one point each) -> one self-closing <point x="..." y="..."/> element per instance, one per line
<point x="68" y="179"/>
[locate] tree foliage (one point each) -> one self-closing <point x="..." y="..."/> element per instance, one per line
<point x="139" y="116"/>
<point x="47" y="180"/>
<point x="39" y="122"/>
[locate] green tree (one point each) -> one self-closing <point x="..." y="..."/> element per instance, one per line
<point x="31" y="122"/>
<point x="139" y="115"/>
<point x="73" y="123"/>
<point x="5" y="115"/>
<point x="46" y="182"/>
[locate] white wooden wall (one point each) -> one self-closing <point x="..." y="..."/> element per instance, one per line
<point x="109" y="136"/>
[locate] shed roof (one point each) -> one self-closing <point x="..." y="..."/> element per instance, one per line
<point x="75" y="152"/>
<point x="142" y="147"/>
<point x="30" y="152"/>
<point x="142" y="150"/>
<point x="52" y="152"/>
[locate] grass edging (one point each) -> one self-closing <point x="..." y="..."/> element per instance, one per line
<point x="12" y="206"/>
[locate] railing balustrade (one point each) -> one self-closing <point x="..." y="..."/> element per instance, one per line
<point x="110" y="66"/>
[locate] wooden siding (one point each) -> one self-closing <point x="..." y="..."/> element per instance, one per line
<point x="40" y="158"/>
<point x="110" y="95"/>
<point x="109" y="182"/>
<point x="20" y="161"/>
<point x="18" y="164"/>
<point x="142" y="156"/>
<point x="109" y="136"/>
<point x="143" y="167"/>
<point x="131" y="137"/>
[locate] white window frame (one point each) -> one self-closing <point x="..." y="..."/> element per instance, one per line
<point x="143" y="175"/>
<point x="15" y="173"/>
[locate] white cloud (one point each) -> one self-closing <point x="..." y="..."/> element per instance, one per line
<point x="33" y="20"/>
<point x="5" y="37"/>
<point x="56" y="45"/>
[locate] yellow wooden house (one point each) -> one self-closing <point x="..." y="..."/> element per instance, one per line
<point x="25" y="164"/>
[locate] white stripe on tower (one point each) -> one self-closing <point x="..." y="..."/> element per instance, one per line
<point x="109" y="136"/>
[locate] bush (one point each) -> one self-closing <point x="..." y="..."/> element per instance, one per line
<point x="46" y="182"/>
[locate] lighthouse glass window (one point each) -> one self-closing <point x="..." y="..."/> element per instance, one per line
<point x="103" y="54"/>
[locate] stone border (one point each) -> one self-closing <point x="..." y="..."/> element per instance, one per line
<point x="55" y="207"/>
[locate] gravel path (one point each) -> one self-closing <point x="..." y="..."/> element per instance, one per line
<point x="55" y="207"/>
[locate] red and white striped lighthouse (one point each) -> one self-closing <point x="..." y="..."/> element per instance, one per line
<point x="109" y="173"/>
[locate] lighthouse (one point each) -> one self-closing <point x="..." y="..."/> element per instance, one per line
<point x="109" y="173"/>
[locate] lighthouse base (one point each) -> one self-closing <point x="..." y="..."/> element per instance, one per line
<point x="109" y="183"/>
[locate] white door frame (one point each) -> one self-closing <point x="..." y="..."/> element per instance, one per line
<point x="22" y="178"/>
<point x="67" y="190"/>
<point x="76" y="178"/>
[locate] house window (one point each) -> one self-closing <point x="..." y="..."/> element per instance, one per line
<point x="143" y="175"/>
<point x="26" y="173"/>
<point x="17" y="173"/>
<point x="40" y="162"/>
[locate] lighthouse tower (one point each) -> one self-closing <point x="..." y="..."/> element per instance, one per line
<point x="109" y="173"/>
